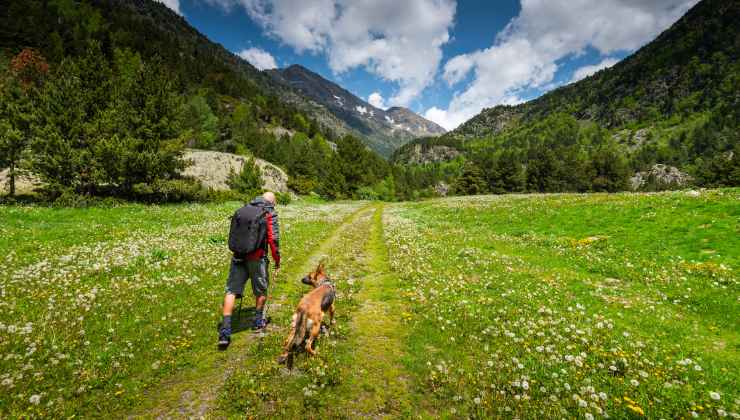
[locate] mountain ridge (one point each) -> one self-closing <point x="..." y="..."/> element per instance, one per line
<point x="581" y="98"/>
<point x="385" y="130"/>
<point x="674" y="102"/>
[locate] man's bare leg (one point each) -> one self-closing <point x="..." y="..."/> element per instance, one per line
<point x="229" y="301"/>
<point x="259" y="302"/>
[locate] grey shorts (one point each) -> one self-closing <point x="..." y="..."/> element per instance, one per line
<point x="241" y="270"/>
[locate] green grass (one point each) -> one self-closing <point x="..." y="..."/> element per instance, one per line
<point x="510" y="306"/>
<point x="99" y="304"/>
<point x="596" y="302"/>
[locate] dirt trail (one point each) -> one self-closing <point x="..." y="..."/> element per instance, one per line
<point x="377" y="386"/>
<point x="193" y="392"/>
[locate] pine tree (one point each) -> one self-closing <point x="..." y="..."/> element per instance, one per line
<point x="610" y="168"/>
<point x="202" y="123"/>
<point x="69" y="126"/>
<point x="248" y="180"/>
<point x="18" y="91"/>
<point x="470" y="181"/>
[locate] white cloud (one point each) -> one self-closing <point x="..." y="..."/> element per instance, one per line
<point x="376" y="99"/>
<point x="524" y="55"/>
<point x="446" y="119"/>
<point x="172" y="4"/>
<point x="259" y="58"/>
<point x="586" y="71"/>
<point x="399" y="41"/>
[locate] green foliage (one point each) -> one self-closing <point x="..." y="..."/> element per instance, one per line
<point x="679" y="92"/>
<point x="17" y="115"/>
<point x="610" y="169"/>
<point x="470" y="181"/>
<point x="248" y="180"/>
<point x="202" y="123"/>
<point x="283" y="199"/>
<point x="107" y="124"/>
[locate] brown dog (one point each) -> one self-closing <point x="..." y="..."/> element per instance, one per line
<point x="309" y="314"/>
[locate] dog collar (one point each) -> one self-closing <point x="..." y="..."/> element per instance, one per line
<point x="325" y="281"/>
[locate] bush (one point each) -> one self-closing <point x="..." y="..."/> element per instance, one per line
<point x="170" y="191"/>
<point x="249" y="180"/>
<point x="70" y="198"/>
<point x="367" y="193"/>
<point x="283" y="198"/>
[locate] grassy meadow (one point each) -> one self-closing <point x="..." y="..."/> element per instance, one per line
<point x="551" y="306"/>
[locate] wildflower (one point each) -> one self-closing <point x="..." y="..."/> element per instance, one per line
<point x="714" y="395"/>
<point x="35" y="399"/>
<point x="476" y="400"/>
<point x="636" y="409"/>
<point x="589" y="416"/>
<point x="635" y="382"/>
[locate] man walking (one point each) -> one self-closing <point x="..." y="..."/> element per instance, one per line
<point x="254" y="266"/>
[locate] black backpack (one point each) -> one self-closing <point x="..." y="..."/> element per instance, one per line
<point x="248" y="230"/>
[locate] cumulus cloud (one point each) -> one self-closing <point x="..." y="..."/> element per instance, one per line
<point x="172" y="4"/>
<point x="259" y="58"/>
<point x="376" y="99"/>
<point x="586" y="71"/>
<point x="525" y="54"/>
<point x="399" y="41"/>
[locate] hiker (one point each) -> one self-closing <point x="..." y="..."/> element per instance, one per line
<point x="253" y="265"/>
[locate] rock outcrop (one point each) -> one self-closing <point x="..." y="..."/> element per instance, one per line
<point x="212" y="169"/>
<point x="422" y="154"/>
<point x="24" y="184"/>
<point x="660" y="177"/>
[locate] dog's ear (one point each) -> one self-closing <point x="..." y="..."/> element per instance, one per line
<point x="320" y="268"/>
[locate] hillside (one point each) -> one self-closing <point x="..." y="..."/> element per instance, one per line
<point x="103" y="96"/>
<point x="61" y="29"/>
<point x="383" y="131"/>
<point x="675" y="101"/>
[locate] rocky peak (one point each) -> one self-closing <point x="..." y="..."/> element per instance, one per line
<point x="392" y="128"/>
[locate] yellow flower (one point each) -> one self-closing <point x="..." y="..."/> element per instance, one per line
<point x="636" y="409"/>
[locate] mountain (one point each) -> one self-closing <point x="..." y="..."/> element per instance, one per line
<point x="675" y="101"/>
<point x="681" y="68"/>
<point x="89" y="73"/>
<point x="383" y="130"/>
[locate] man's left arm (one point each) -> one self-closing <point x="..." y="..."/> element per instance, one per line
<point x="273" y="238"/>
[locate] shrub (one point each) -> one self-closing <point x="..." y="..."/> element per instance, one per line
<point x="283" y="198"/>
<point x="248" y="181"/>
<point x="170" y="191"/>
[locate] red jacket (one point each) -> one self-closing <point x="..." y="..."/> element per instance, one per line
<point x="271" y="241"/>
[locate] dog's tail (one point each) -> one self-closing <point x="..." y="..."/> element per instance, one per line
<point x="299" y="333"/>
<point x="295" y="341"/>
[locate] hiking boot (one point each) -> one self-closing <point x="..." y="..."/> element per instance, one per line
<point x="260" y="323"/>
<point x="224" y="338"/>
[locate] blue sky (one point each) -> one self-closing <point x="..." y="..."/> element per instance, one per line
<point x="444" y="59"/>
